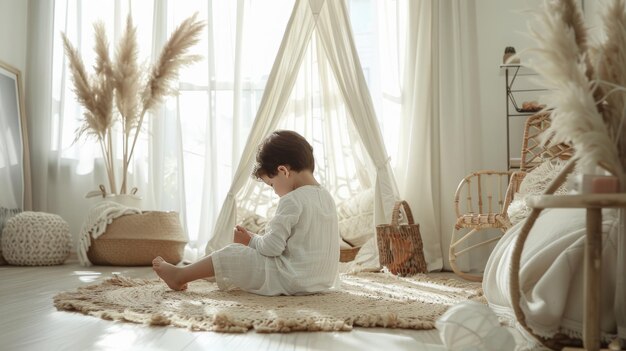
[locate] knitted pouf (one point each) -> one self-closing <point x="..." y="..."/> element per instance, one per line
<point x="36" y="239"/>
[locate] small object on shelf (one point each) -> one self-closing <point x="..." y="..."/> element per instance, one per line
<point x="508" y="52"/>
<point x="531" y="106"/>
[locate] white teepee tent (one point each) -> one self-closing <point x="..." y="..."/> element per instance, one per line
<point x="328" y="23"/>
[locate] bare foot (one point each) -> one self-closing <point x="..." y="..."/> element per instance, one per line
<point x="169" y="274"/>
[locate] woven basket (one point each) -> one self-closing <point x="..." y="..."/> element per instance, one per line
<point x="400" y="246"/>
<point x="347" y="255"/>
<point x="136" y="239"/>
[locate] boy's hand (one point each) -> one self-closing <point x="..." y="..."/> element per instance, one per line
<point x="241" y="235"/>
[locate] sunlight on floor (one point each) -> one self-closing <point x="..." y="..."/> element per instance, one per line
<point x="428" y="292"/>
<point x="116" y="338"/>
<point x="87" y="276"/>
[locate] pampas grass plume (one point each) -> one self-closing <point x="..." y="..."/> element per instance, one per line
<point x="127" y="77"/>
<point x="562" y="62"/>
<point x="82" y="86"/>
<point x="172" y="58"/>
<point x="119" y="84"/>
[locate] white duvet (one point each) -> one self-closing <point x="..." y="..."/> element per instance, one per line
<point x="551" y="275"/>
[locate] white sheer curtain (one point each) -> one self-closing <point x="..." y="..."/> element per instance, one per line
<point x="440" y="139"/>
<point x="427" y="97"/>
<point x="190" y="148"/>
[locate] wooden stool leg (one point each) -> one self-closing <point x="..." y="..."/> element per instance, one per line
<point x="592" y="274"/>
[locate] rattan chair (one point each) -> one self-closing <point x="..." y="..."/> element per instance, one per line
<point x="482" y="198"/>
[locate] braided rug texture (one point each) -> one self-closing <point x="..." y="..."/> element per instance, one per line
<point x="364" y="300"/>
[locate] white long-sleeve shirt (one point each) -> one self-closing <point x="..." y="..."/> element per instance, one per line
<point x="299" y="253"/>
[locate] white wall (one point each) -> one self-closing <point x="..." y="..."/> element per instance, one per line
<point x="13" y="33"/>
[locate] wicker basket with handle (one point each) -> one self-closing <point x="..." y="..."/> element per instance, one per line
<point x="400" y="246"/>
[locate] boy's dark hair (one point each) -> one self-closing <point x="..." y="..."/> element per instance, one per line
<point x="283" y="147"/>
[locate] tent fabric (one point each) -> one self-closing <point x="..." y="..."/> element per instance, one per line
<point x="329" y="21"/>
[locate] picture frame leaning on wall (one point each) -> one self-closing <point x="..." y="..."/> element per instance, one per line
<point x="15" y="178"/>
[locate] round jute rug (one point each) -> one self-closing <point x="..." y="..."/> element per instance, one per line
<point x="364" y="300"/>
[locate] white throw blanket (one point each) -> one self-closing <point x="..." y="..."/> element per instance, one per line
<point x="551" y="273"/>
<point x="96" y="223"/>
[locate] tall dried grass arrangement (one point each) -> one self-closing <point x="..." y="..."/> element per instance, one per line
<point x="585" y="81"/>
<point x="118" y="91"/>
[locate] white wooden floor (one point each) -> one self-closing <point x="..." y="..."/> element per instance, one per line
<point x="29" y="321"/>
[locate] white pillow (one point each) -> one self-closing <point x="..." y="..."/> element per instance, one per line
<point x="534" y="183"/>
<point x="356" y="218"/>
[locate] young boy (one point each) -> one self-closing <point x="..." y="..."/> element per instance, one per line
<point x="299" y="253"/>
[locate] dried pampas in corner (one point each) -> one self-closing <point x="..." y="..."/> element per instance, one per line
<point x="117" y="91"/>
<point x="581" y="113"/>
